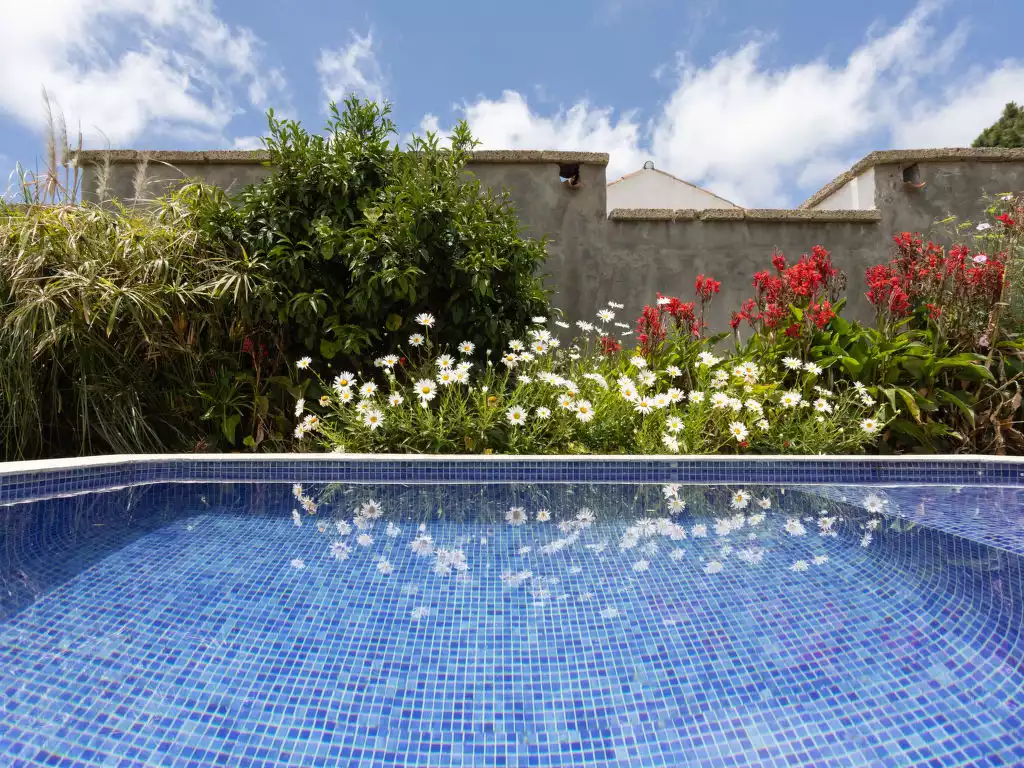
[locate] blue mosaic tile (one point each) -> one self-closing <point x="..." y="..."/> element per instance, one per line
<point x="516" y="624"/>
<point x="18" y="486"/>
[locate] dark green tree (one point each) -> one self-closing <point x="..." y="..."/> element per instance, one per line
<point x="360" y="236"/>
<point x="1006" y="132"/>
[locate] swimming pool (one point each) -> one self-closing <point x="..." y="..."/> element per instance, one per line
<point x="512" y="612"/>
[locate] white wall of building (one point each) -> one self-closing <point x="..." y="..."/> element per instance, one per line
<point x="858" y="194"/>
<point x="650" y="188"/>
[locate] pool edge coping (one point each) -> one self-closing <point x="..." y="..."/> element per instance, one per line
<point x="9" y="468"/>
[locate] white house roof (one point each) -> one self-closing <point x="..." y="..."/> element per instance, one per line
<point x="673" y="178"/>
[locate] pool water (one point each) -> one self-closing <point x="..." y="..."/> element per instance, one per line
<point x="511" y="625"/>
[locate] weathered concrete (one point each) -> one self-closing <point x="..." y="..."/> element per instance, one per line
<point x="630" y="254"/>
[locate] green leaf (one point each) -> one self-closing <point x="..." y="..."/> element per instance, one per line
<point x="910" y="399"/>
<point x="959" y="400"/>
<point x="328" y="349"/>
<point x="393" y="322"/>
<point x="229" y="425"/>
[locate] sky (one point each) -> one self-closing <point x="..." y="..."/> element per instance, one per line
<point x="760" y="101"/>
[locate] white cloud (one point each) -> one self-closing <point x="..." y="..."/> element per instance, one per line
<point x="247" y="142"/>
<point x="177" y="68"/>
<point x="351" y="69"/>
<point x="508" y="123"/>
<point x="763" y="136"/>
<point x="963" y="111"/>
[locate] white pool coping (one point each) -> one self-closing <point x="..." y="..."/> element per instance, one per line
<point x="49" y="465"/>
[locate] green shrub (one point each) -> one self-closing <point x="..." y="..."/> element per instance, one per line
<point x="109" y="323"/>
<point x="361" y="237"/>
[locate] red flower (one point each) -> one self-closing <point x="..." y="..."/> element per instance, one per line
<point x="247" y="345"/>
<point x="779" y="260"/>
<point x="735" y="320"/>
<point x="744" y="444"/>
<point x="705" y="287"/>
<point x="773" y="315"/>
<point x="793" y="331"/>
<point x="1006" y="219"/>
<point x="933" y="311"/>
<point x="820" y="313"/>
<point x="609" y="345"/>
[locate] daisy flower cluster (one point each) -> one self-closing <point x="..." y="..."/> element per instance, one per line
<point x="543" y="393"/>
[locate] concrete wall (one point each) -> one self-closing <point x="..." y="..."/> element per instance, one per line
<point x="651" y="188"/>
<point x="630" y="254"/>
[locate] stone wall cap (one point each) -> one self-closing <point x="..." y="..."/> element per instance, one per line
<point x="653" y="214"/>
<point x="905" y="156"/>
<point x="780" y="215"/>
<point x="260" y="156"/>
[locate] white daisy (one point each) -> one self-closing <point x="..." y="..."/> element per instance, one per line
<point x="373" y="418"/>
<point x="673" y="424"/>
<point x="444" y="361"/>
<point x="643" y="405"/>
<point x="425" y="389"/>
<point x="720" y="400"/>
<point x="416" y="340"/>
<point x="303" y="362"/>
<point x="543" y="516"/>
<point x="870" y="426"/>
<point x="740" y="499"/>
<point x="640" y="566"/>
<point x="738" y="430"/>
<point x="713" y="566"/>
<point x="794" y="527"/>
<point x="344" y="380"/>
<point x="799" y="565"/>
<point x="584" y="410"/>
<point x="516" y="416"/>
<point x="819" y="559"/>
<point x="425" y="319"/>
<point x="542" y="413"/>
<point x="793" y="363"/>
<point x="696" y="397"/>
<point x="790" y="399"/>
<point x="422" y="545"/>
<point x="395" y="399"/>
<point x="638" y="361"/>
<point x="515" y="516"/>
<point x="670" y="442"/>
<point x="300" y="406"/>
<point x="605" y="315"/>
<point x="364" y="540"/>
<point x="340" y="550"/>
<point x="707" y="359"/>
<point x="875" y="504"/>
<point x="384" y="566"/>
<point x="467" y="347"/>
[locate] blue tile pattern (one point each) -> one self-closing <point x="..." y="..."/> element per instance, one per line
<point x="990" y="516"/>
<point x="30" y="485"/>
<point x="193" y="624"/>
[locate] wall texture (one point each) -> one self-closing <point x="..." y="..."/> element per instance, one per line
<point x="628" y="255"/>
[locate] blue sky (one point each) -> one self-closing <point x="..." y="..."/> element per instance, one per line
<point x="762" y="101"/>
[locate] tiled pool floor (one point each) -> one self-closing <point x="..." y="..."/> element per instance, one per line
<point x="230" y="635"/>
